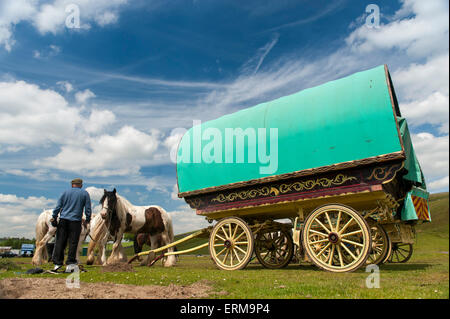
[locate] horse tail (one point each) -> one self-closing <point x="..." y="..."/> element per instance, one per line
<point x="41" y="230"/>
<point x="96" y="231"/>
<point x="171" y="260"/>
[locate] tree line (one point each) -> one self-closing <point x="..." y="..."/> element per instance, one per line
<point x="15" y="242"/>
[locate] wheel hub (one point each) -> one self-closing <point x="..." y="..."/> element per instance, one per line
<point x="333" y="238"/>
<point x="227" y="243"/>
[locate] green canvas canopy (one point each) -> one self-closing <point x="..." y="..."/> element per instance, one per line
<point x="353" y="120"/>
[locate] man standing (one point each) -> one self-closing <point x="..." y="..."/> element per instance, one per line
<point x="70" y="207"/>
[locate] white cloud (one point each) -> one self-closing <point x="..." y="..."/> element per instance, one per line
<point x="30" y="115"/>
<point x="99" y="120"/>
<point x="254" y="63"/>
<point x="83" y="96"/>
<point x="432" y="110"/>
<point x="67" y="86"/>
<point x="439" y="184"/>
<point x="174" y="193"/>
<point x="95" y="193"/>
<point x="50" y="16"/>
<point x="420" y="80"/>
<point x="11" y="13"/>
<point x="50" y="51"/>
<point x="106" y="18"/>
<point x="18" y="215"/>
<point x="432" y="153"/>
<point x="120" y="154"/>
<point x="37" y="174"/>
<point x="419" y="27"/>
<point x="184" y="220"/>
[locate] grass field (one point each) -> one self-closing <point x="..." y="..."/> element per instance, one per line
<point x="425" y="276"/>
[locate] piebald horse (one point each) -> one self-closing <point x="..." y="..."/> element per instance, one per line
<point x="45" y="231"/>
<point x="122" y="217"/>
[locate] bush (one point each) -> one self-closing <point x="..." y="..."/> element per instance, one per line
<point x="8" y="264"/>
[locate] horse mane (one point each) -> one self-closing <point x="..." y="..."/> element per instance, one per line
<point x="125" y="202"/>
<point x="102" y="199"/>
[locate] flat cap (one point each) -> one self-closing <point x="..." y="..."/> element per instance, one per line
<point x="77" y="181"/>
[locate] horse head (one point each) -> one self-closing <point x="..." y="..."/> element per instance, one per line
<point x="109" y="204"/>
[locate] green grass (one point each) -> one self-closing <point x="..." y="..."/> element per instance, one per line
<point x="426" y="275"/>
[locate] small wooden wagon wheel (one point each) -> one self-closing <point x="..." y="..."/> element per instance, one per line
<point x="231" y="244"/>
<point x="336" y="238"/>
<point x="274" y="249"/>
<point x="381" y="245"/>
<point x="401" y="253"/>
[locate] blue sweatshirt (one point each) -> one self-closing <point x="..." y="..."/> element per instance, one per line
<point x="71" y="204"/>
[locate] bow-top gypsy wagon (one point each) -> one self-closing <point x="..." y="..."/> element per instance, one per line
<point x="346" y="176"/>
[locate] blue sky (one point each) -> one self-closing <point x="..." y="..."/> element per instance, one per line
<point x="100" y="101"/>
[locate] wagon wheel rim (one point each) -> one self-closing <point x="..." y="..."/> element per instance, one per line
<point x="274" y="249"/>
<point x="231" y="244"/>
<point x="401" y="253"/>
<point x="380" y="245"/>
<point x="336" y="238"/>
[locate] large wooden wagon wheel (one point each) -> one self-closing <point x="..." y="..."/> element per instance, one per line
<point x="274" y="249"/>
<point x="336" y="238"/>
<point x="401" y="253"/>
<point x="231" y="244"/>
<point x="381" y="245"/>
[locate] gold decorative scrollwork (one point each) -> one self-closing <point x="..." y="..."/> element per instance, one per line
<point x="194" y="202"/>
<point x="380" y="173"/>
<point x="339" y="179"/>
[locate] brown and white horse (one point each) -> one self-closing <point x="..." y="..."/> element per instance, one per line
<point x="45" y="231"/>
<point x="122" y="217"/>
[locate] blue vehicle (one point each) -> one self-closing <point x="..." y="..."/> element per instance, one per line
<point x="27" y="250"/>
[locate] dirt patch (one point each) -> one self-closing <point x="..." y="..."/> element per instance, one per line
<point x="119" y="267"/>
<point x="55" y="288"/>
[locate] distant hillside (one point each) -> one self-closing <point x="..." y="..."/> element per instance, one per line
<point x="439" y="215"/>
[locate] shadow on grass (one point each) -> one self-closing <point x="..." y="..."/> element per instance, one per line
<point x="389" y="267"/>
<point x="405" y="267"/>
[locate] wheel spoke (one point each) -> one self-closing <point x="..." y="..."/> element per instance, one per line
<point x="226" y="256"/>
<point x="340" y="255"/>
<point x="237" y="256"/>
<point x="231" y="257"/>
<point x="348" y="251"/>
<point x="346" y="225"/>
<point x="338" y="222"/>
<point x="221" y="252"/>
<point x="322" y="251"/>
<point x="323" y="226"/>
<point x="240" y="249"/>
<point x="318" y="232"/>
<point x="217" y="235"/>
<point x="240" y="235"/>
<point x="235" y="230"/>
<point x="224" y="232"/>
<point x="329" y="221"/>
<point x="352" y="242"/>
<point x="352" y="233"/>
<point x="319" y="241"/>
<point x="331" y="256"/>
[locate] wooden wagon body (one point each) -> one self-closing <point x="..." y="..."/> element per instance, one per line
<point x="344" y="154"/>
